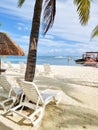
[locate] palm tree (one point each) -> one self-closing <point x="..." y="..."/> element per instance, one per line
<point x="32" y="53"/>
<point x="31" y="61"/>
<point x="83" y="7"/>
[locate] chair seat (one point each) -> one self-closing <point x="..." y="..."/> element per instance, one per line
<point x="49" y="94"/>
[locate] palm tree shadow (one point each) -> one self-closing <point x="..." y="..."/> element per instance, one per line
<point x="55" y="84"/>
<point x="80" y="82"/>
<point x="65" y="116"/>
<point x="63" y="84"/>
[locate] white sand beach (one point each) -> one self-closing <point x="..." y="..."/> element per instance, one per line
<point x="78" y="109"/>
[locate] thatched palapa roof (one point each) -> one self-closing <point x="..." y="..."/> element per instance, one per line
<point x="8" y="46"/>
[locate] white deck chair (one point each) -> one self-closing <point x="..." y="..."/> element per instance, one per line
<point x="10" y="67"/>
<point x="3" y="65"/>
<point x="9" y="93"/>
<point x="36" y="101"/>
<point x="47" y="70"/>
<point x="22" y="67"/>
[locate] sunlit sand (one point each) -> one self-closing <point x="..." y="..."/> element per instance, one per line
<point x="78" y="109"/>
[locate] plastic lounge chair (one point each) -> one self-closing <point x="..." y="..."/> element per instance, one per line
<point x="36" y="101"/>
<point x="47" y="70"/>
<point x="9" y="93"/>
<point x="3" y="65"/>
<point x="22" y="67"/>
<point x="10" y="67"/>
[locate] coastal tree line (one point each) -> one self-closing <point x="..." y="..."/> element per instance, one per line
<point x="49" y="11"/>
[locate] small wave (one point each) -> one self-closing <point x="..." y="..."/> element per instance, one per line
<point x="59" y="57"/>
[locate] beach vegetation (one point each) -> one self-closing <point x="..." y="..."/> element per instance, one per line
<point x="94" y="32"/>
<point x="83" y="9"/>
<point x="32" y="52"/>
<point x="48" y="19"/>
<point x="49" y="11"/>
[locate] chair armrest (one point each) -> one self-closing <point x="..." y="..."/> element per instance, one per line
<point x="44" y="91"/>
<point x="10" y="92"/>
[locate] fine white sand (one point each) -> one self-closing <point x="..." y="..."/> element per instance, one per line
<point x="78" y="109"/>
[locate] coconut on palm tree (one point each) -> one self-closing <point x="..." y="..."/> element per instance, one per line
<point x="83" y="9"/>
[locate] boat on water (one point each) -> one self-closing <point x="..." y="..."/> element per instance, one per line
<point x="88" y="59"/>
<point x="80" y="61"/>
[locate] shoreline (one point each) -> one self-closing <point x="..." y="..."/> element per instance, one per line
<point x="53" y="60"/>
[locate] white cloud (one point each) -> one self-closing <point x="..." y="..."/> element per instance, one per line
<point x="11" y="7"/>
<point x="22" y="26"/>
<point x="19" y="28"/>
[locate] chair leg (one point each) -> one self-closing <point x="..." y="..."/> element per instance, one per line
<point x="41" y="112"/>
<point x="3" y="106"/>
<point x="57" y="98"/>
<point x="7" y="107"/>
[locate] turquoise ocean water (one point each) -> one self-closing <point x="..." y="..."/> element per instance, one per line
<point x="52" y="60"/>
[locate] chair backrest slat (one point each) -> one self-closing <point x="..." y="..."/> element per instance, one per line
<point x="22" y="67"/>
<point x="47" y="68"/>
<point x="5" y="84"/>
<point x="31" y="91"/>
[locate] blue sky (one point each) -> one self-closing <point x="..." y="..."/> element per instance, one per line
<point x="66" y="37"/>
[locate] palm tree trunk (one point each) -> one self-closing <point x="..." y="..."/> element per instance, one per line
<point x="32" y="53"/>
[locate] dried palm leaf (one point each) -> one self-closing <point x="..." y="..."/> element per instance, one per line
<point x="48" y="14"/>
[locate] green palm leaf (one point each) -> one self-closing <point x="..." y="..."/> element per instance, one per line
<point x="83" y="9"/>
<point x="20" y="2"/>
<point x="95" y="32"/>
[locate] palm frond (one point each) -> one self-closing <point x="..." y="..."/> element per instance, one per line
<point x="20" y="2"/>
<point x="48" y="15"/>
<point x="83" y="9"/>
<point x="95" y="32"/>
